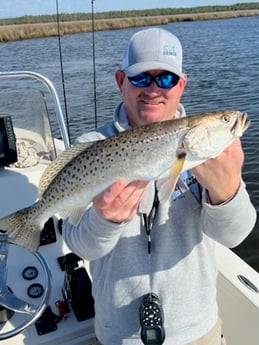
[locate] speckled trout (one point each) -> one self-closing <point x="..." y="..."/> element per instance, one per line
<point x="157" y="151"/>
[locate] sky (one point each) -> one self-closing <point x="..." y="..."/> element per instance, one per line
<point x="18" y="8"/>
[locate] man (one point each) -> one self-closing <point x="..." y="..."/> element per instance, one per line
<point x="177" y="272"/>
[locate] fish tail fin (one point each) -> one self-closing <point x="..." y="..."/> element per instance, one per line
<point x="22" y="230"/>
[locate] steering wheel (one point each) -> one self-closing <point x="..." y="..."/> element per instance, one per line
<point x="10" y="301"/>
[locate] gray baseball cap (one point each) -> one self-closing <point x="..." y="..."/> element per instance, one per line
<point x="151" y="49"/>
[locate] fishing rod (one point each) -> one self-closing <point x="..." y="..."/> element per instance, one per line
<point x="94" y="66"/>
<point x="62" y="69"/>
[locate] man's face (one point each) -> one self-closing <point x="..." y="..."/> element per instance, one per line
<point x="149" y="104"/>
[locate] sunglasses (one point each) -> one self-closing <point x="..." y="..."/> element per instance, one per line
<point x="164" y="80"/>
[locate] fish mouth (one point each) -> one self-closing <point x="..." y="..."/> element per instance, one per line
<point x="241" y="124"/>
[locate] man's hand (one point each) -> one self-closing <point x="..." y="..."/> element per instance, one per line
<point x="119" y="203"/>
<point x="221" y="175"/>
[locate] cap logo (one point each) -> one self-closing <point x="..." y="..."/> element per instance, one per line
<point x="167" y="50"/>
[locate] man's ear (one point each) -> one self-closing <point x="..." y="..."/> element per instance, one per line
<point x="119" y="77"/>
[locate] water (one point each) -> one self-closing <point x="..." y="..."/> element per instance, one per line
<point x="220" y="57"/>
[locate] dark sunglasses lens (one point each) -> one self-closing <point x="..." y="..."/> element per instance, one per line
<point x="166" y="81"/>
<point x="141" y="80"/>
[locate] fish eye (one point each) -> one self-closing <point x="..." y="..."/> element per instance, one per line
<point x="225" y="118"/>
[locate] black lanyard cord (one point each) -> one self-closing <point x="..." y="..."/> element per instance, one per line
<point x="149" y="219"/>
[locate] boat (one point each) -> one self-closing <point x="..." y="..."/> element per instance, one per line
<point x="45" y="297"/>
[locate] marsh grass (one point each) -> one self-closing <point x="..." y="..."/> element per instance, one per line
<point x="38" y="30"/>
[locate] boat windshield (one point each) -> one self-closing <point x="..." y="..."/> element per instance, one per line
<point x="28" y="111"/>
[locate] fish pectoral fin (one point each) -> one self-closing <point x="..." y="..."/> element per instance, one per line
<point x="166" y="185"/>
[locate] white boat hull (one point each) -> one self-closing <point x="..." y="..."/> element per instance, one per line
<point x="238" y="304"/>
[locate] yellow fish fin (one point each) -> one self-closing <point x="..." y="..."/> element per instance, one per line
<point x="166" y="185"/>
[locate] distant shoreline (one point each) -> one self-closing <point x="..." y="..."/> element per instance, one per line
<point x="40" y="30"/>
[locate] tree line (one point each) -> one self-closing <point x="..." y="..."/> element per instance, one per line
<point x="66" y="17"/>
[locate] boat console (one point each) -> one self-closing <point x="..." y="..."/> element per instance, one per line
<point x="45" y="297"/>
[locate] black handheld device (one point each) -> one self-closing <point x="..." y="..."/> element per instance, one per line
<point x="151" y="318"/>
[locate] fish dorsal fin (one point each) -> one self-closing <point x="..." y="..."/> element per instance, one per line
<point x="59" y="163"/>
